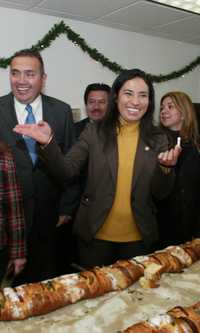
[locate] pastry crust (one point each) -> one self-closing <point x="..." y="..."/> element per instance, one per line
<point x="193" y="249"/>
<point x="177" y="320"/>
<point x="172" y="328"/>
<point x="43" y="297"/>
<point x="143" y="327"/>
<point x="184" y="325"/>
<point x="169" y="262"/>
<point x="181" y="254"/>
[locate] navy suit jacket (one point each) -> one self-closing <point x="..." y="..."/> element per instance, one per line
<point x="43" y="199"/>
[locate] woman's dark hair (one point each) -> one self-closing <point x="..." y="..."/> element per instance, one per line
<point x="111" y="121"/>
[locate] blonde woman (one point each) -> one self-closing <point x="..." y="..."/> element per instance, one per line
<point x="178" y="215"/>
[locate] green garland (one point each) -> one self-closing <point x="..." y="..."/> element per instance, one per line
<point x="61" y="28"/>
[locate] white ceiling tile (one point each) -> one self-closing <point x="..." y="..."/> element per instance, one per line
<point x="119" y="26"/>
<point x="86" y="8"/>
<point x="144" y="15"/>
<point x="195" y="41"/>
<point x="141" y="16"/>
<point x="187" y="26"/>
<point x="25" y="4"/>
<point x="60" y="14"/>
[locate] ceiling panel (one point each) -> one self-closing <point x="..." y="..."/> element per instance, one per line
<point x="186" y="27"/>
<point x="22" y="4"/>
<point x="140" y="16"/>
<point x="194" y="40"/>
<point x="144" y="15"/>
<point x="85" y="8"/>
<point x="61" y="14"/>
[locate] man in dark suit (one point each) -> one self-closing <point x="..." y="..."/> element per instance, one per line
<point x="96" y="98"/>
<point x="45" y="204"/>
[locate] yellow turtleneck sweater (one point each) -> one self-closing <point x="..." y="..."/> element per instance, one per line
<point x="120" y="224"/>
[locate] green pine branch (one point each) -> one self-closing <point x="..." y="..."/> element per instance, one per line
<point x="61" y="28"/>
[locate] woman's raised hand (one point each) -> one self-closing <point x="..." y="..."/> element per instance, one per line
<point x="41" y="131"/>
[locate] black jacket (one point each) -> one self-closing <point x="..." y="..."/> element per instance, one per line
<point x="42" y="195"/>
<point x="178" y="214"/>
<point x="80" y="126"/>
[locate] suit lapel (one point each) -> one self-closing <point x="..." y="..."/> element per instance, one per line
<point x="8" y="120"/>
<point x="141" y="159"/>
<point x="47" y="107"/>
<point x="8" y="116"/>
<point x="112" y="158"/>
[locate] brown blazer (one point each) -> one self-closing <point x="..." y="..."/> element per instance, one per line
<point x="148" y="181"/>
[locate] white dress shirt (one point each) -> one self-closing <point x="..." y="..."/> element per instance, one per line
<point x="21" y="113"/>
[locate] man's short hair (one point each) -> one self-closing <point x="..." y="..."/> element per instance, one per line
<point x="30" y="53"/>
<point x="96" y="87"/>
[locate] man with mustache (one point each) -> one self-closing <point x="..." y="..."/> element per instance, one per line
<point x="96" y="97"/>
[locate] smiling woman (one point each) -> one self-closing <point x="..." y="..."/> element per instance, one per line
<point x="133" y="100"/>
<point x="116" y="217"/>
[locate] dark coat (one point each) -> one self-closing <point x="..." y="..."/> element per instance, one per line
<point x="36" y="182"/>
<point x="80" y="126"/>
<point x="44" y="200"/>
<point x="178" y="214"/>
<point x="98" y="197"/>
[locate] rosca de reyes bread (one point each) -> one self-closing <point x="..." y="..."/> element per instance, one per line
<point x="176" y="320"/>
<point x="42" y="297"/>
<point x="39" y="298"/>
<point x="170" y="260"/>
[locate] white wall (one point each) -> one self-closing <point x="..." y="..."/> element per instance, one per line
<point x="69" y="69"/>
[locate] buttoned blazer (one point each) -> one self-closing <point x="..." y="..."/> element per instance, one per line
<point x="148" y="181"/>
<point x="41" y="193"/>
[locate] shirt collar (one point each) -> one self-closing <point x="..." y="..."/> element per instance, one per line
<point x="35" y="104"/>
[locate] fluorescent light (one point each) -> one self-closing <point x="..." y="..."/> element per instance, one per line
<point x="188" y="5"/>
